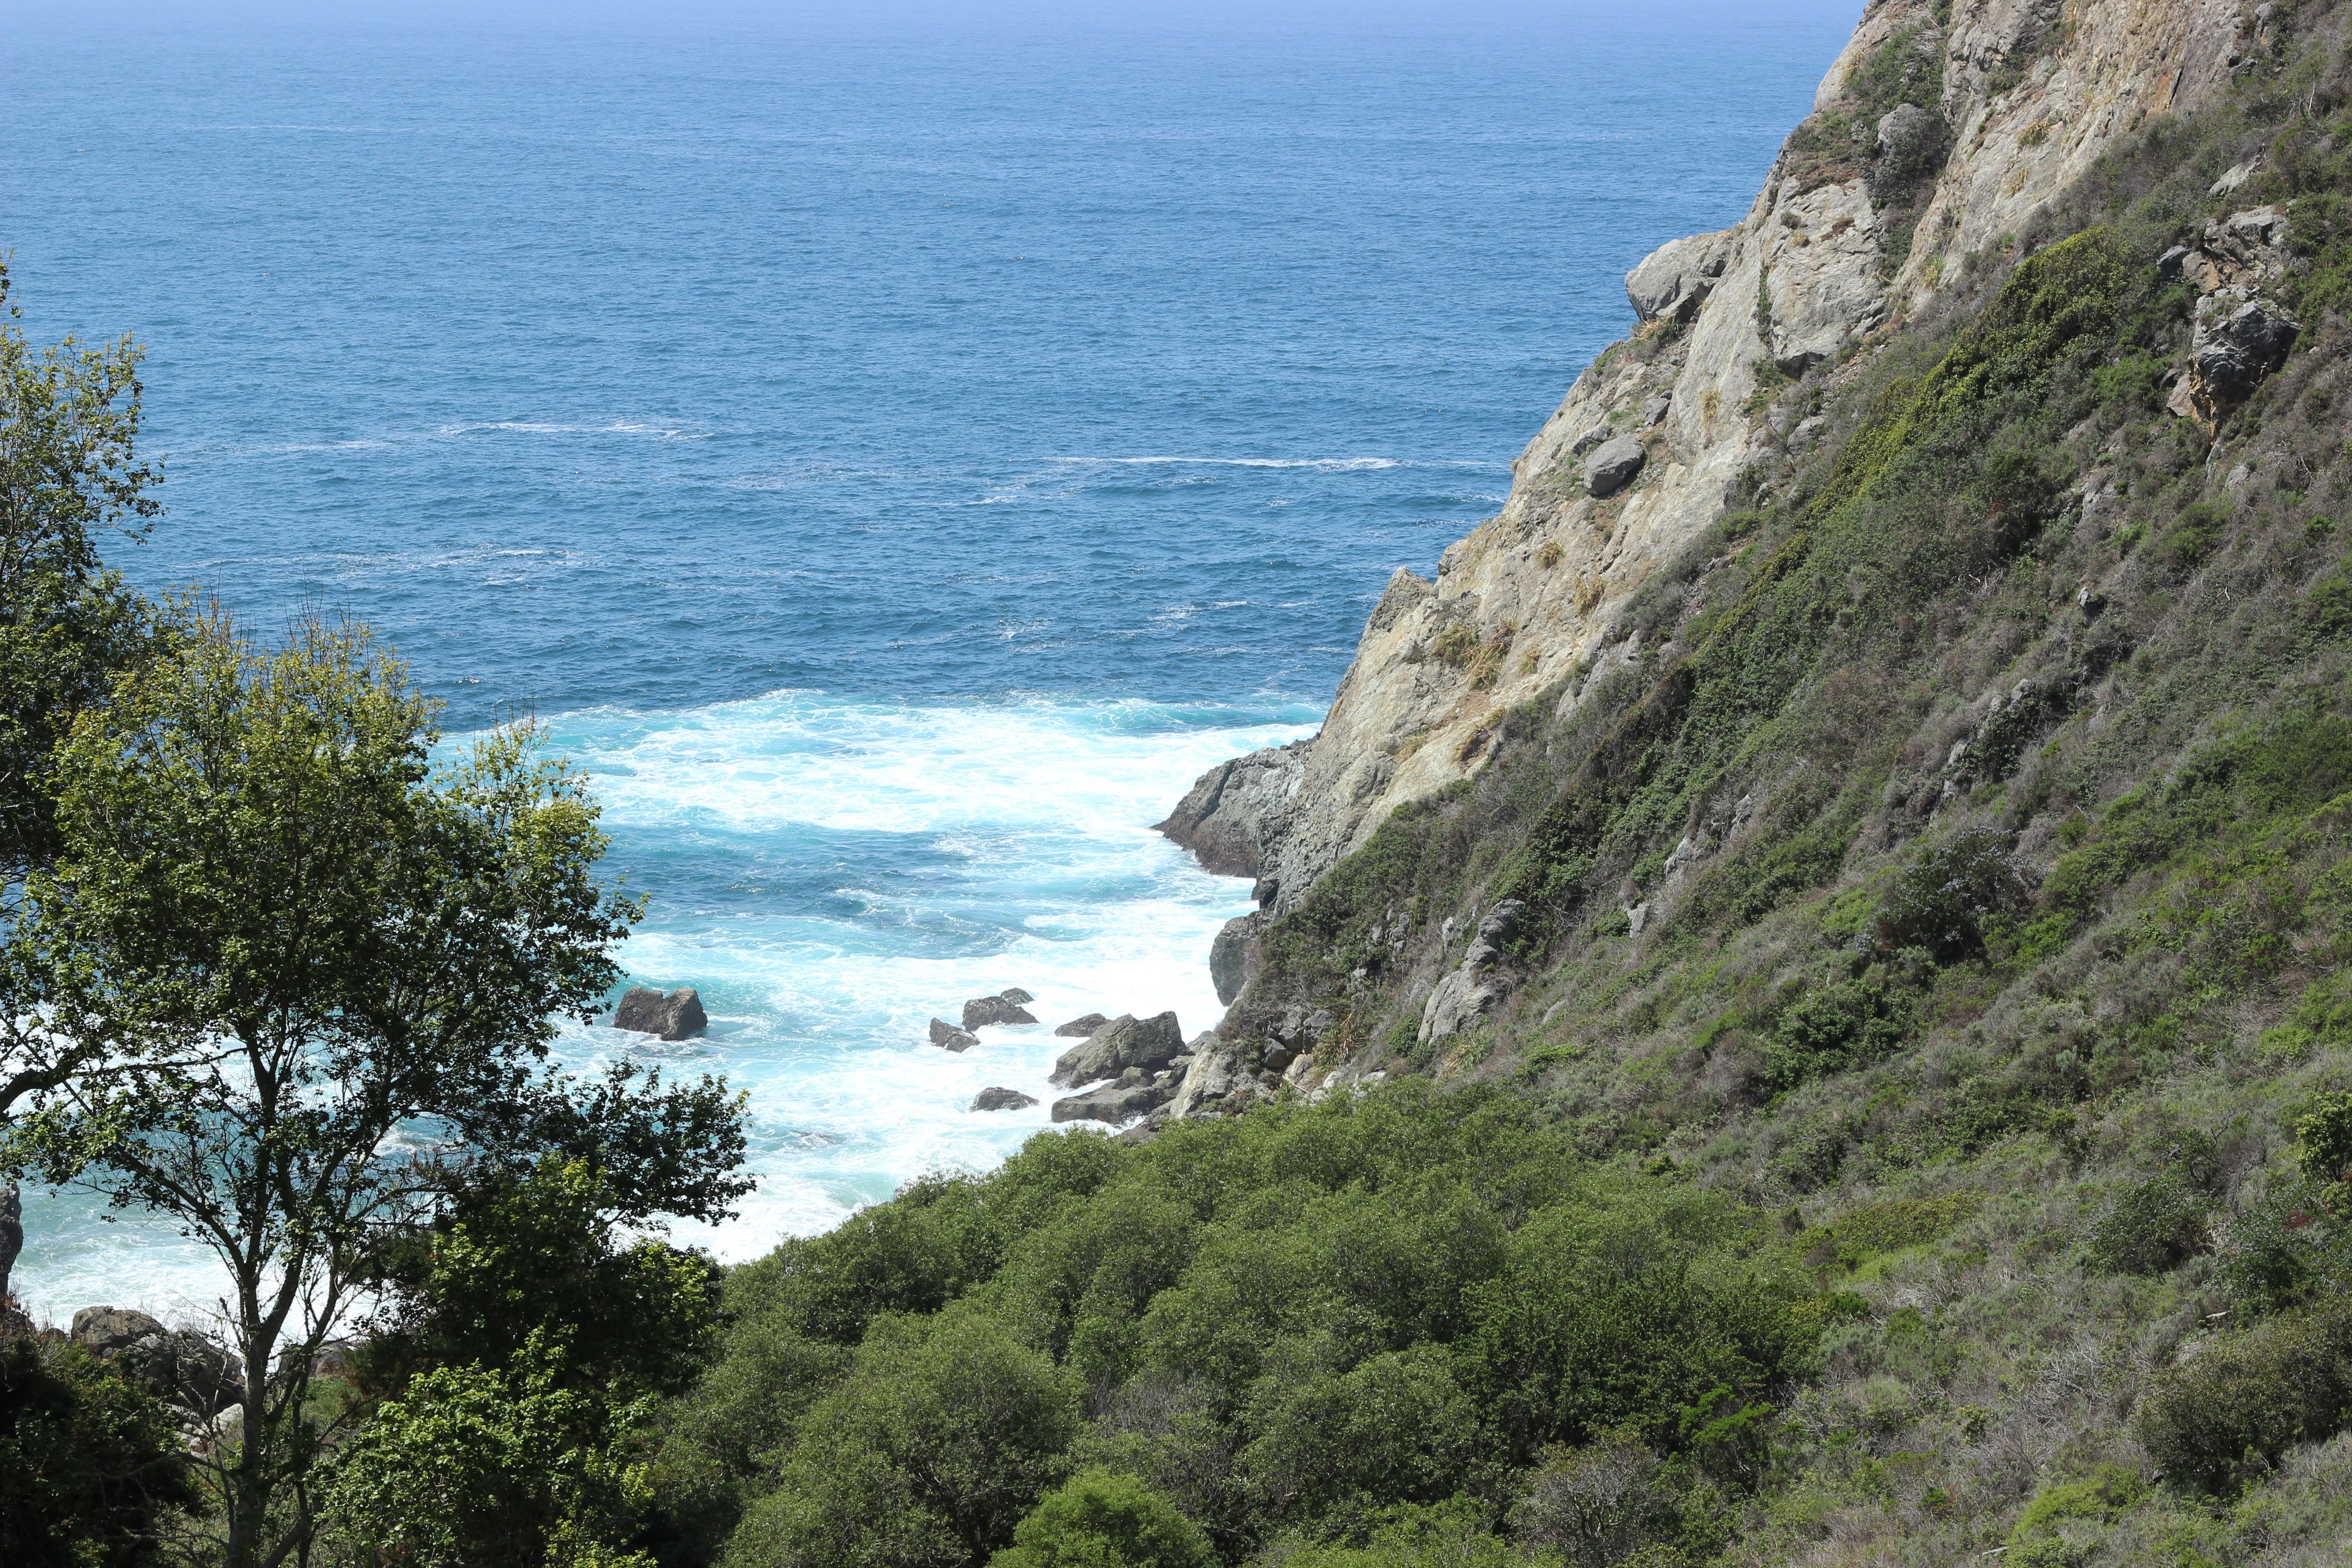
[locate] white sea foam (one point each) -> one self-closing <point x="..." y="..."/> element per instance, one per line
<point x="830" y="874"/>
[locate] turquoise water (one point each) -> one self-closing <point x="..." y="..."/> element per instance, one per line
<point x="896" y="453"/>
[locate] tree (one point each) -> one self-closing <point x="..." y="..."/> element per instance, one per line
<point x="300" y="984"/>
<point x="90" y="1467"/>
<point x="68" y="476"/>
<point x="1098" y="1520"/>
<point x="544" y="1250"/>
<point x="506" y="1465"/>
<point x="944" y="1434"/>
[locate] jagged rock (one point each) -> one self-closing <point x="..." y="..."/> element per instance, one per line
<point x="2235" y="346"/>
<point x="1127" y="1041"/>
<point x="1018" y="997"/>
<point x="2237" y="343"/>
<point x="1471" y="990"/>
<point x="1002" y="1099"/>
<point x="982" y="1011"/>
<point x="2235" y="175"/>
<point x="1673" y="280"/>
<point x="1613" y="466"/>
<point x="1906" y="130"/>
<point x="1824" y="281"/>
<point x="1208" y="1082"/>
<point x="947" y="1037"/>
<point x="676" y="1017"/>
<point x="1236" y="954"/>
<point x="1083" y="1027"/>
<point x="103" y="1331"/>
<point x="178" y="1366"/>
<point x="1234" y="812"/>
<point x="1113" y="1103"/>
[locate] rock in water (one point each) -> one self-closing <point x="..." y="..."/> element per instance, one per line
<point x="1018" y="997"/>
<point x="1613" y="466"/>
<point x="947" y="1037"/>
<point x="676" y="1017"/>
<point x="1002" y="1099"/>
<point x="982" y="1011"/>
<point x="1127" y="1041"/>
<point x="1083" y="1028"/>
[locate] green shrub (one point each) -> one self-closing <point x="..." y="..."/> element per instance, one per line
<point x="2287" y="1248"/>
<point x="2154" y="1226"/>
<point x="1832" y="1028"/>
<point x="2326" y="1136"/>
<point x="1941" y="901"/>
<point x="1097" y="1519"/>
<point x="1884" y="1227"/>
<point x="2233" y="1409"/>
<point x="91" y="1471"/>
<point x="2110" y="1491"/>
<point x="476" y="1464"/>
<point x="2193" y="534"/>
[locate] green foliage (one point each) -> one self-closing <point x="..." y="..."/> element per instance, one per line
<point x="2156" y="1225"/>
<point x="940" y="1439"/>
<point x="1446" y="1535"/>
<point x="2110" y="1491"/>
<point x="1834" y="1028"/>
<point x="1874" y="1228"/>
<point x="271" y="940"/>
<point x="2325" y="1132"/>
<point x="2222" y="1417"/>
<point x="493" y="1465"/>
<point x="1097" y="1519"/>
<point x="542" y="1250"/>
<point x="69" y="475"/>
<point x="1942" y="900"/>
<point x="92" y="1472"/>
<point x="2193" y="534"/>
<point x="1291" y="1324"/>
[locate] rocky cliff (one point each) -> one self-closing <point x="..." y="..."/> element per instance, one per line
<point x="1939" y="139"/>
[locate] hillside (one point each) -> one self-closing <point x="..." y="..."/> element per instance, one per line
<point x="1800" y="1011"/>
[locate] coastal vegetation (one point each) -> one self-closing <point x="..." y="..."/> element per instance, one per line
<point x="1916" y="1127"/>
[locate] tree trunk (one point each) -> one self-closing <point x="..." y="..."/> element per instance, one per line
<point x="12" y="1242"/>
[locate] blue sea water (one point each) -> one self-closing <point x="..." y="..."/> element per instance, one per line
<point x="895" y="451"/>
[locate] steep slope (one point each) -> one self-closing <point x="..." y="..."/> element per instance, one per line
<point x="1939" y="131"/>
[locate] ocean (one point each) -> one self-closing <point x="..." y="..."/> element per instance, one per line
<point x="894" y="451"/>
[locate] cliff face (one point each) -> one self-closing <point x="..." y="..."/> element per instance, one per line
<point x="1939" y="134"/>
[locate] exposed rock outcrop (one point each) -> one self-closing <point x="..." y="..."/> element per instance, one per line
<point x="1238" y="808"/>
<point x="178" y="1366"/>
<point x="2008" y="103"/>
<point x="1132" y="1095"/>
<point x="1002" y="1099"/>
<point x="1081" y="1029"/>
<point x="1235" y="956"/>
<point x="1125" y="1043"/>
<point x="676" y="1017"/>
<point x="1613" y="465"/>
<point x="1471" y="989"/>
<point x="1673" y="280"/>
